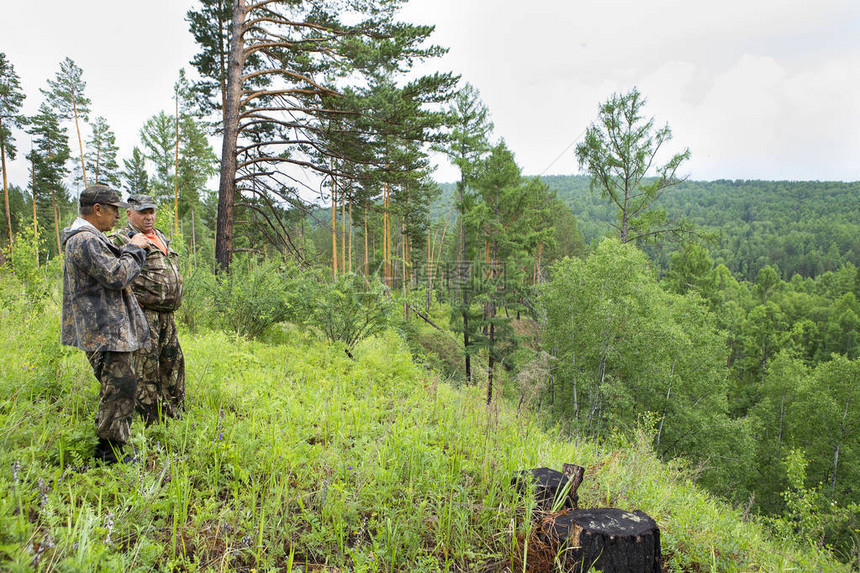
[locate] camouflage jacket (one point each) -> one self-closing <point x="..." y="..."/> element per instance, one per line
<point x="159" y="284"/>
<point x="99" y="310"/>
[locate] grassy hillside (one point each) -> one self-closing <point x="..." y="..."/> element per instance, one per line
<point x="291" y="457"/>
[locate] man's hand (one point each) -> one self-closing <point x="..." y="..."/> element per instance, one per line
<point x="140" y="240"/>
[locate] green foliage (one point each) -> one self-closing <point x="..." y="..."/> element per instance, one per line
<point x="101" y="154"/>
<point x="357" y="113"/>
<point x="159" y="143"/>
<point x="135" y="176"/>
<point x="619" y="151"/>
<point x="347" y="311"/>
<point x="247" y="302"/>
<point x="66" y="92"/>
<point x="11" y="99"/>
<point x="803" y="504"/>
<point x="49" y="157"/>
<point x="801" y="227"/>
<point x="37" y="280"/>
<point x="625" y="347"/>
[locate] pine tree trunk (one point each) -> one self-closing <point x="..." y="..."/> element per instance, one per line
<point x="349" y="267"/>
<point x="333" y="226"/>
<point x="193" y="240"/>
<point x="56" y="221"/>
<point x="227" y="185"/>
<point x="386" y="236"/>
<point x="80" y="141"/>
<point x="429" y="262"/>
<point x="35" y="220"/>
<point x="491" y="360"/>
<point x="461" y="262"/>
<point x="575" y="394"/>
<point x="466" y="346"/>
<point x="342" y="229"/>
<point x="5" y="185"/>
<point x="176" y="174"/>
<point x="366" y="258"/>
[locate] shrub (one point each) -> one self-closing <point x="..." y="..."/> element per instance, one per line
<point x="247" y="301"/>
<point x="35" y="278"/>
<point x="348" y="310"/>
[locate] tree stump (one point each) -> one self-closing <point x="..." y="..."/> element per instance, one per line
<point x="549" y="485"/>
<point x="609" y="539"/>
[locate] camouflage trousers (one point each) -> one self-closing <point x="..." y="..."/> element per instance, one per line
<point x="118" y="386"/>
<point x="160" y="370"/>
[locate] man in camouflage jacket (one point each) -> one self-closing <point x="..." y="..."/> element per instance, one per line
<point x="160" y="368"/>
<point x="100" y="314"/>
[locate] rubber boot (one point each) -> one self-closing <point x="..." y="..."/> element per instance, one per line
<point x="111" y="452"/>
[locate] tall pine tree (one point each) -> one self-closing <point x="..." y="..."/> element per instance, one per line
<point x="287" y="67"/>
<point x="48" y="158"/>
<point x="135" y="177"/>
<point x="66" y="96"/>
<point x="467" y="143"/>
<point x="11" y="98"/>
<point x="101" y="154"/>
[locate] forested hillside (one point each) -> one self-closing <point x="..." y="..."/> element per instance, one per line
<point x="799" y="227"/>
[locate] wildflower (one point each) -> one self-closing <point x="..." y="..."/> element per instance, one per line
<point x="323" y="492"/>
<point x="109" y="526"/>
<point x="43" y="492"/>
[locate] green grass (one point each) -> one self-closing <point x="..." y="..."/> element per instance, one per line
<point x="291" y="457"/>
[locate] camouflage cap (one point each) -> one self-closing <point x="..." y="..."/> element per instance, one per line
<point x="141" y="202"/>
<point x="102" y="195"/>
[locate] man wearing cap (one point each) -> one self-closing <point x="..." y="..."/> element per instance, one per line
<point x="160" y="367"/>
<point x="101" y="315"/>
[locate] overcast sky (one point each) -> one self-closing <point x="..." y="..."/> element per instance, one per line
<point x="756" y="89"/>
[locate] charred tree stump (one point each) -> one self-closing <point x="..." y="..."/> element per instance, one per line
<point x="608" y="539"/>
<point x="549" y="485"/>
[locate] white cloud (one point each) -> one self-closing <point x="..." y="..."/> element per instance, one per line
<point x="755" y="88"/>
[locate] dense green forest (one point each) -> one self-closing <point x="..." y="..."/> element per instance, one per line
<point x="800" y="227"/>
<point x="709" y="331"/>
